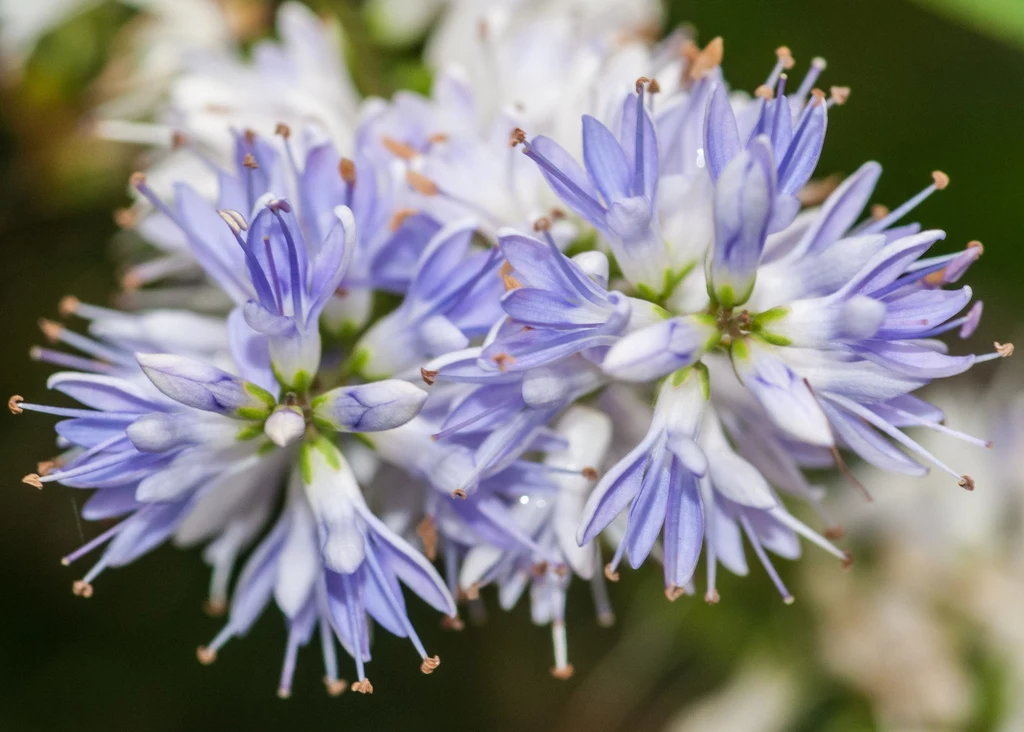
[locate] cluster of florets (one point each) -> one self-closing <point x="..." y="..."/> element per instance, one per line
<point x="414" y="313"/>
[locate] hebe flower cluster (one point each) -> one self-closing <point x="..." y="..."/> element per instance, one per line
<point x="434" y="348"/>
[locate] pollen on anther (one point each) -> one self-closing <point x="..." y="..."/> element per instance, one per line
<point x="610" y="574"/>
<point x="68" y="305"/>
<point x="363" y="687"/>
<point x="966" y="482"/>
<point x="542" y="224"/>
<point x="284" y="693"/>
<point x="250" y="162"/>
<point x="430" y="663"/>
<point x="428" y="376"/>
<point x="819" y="96"/>
<point x="50" y="329"/>
<point x="764" y="92"/>
<point x="459" y="493"/>
<point x="518" y="137"/>
<point x="1005" y="350"/>
<point x="206" y="655"/>
<point x="336" y="687"/>
<point x="398" y="149"/>
<point x="178" y="140"/>
<point x="940" y="179"/>
<point x="653" y="87"/>
<point x="14" y="404"/>
<point x="81" y="588"/>
<point x="421" y="183"/>
<point x="589" y="473"/>
<point x="562" y="673"/>
<point x="503" y="360"/>
<point x="847" y="559"/>
<point x="45" y="467"/>
<point x="32" y="479"/>
<point x="879" y="212"/>
<point x="673" y="592"/>
<point x="640" y="83"/>
<point x="137" y="179"/>
<point x="283" y="130"/>
<point x="510" y="282"/>
<point x="839" y="94"/>
<point x="976" y="245"/>
<point x="398" y="218"/>
<point x="711" y="597"/>
<point x="785" y="56"/>
<point x="347" y="171"/>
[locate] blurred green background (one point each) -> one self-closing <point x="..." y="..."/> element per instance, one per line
<point x="934" y="86"/>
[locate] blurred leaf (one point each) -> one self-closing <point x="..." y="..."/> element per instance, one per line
<point x="1002" y="19"/>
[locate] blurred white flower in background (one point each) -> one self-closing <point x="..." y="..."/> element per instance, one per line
<point x="24" y="22"/>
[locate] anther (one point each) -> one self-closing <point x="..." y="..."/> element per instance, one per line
<point x="879" y="212"/>
<point x="336" y="687"/>
<point x="785" y="56"/>
<point x="283" y="130"/>
<point x="711" y="597"/>
<point x="976" y="245"/>
<point x="430" y="663"/>
<point x="51" y="330"/>
<point x="428" y="376"/>
<point x="941" y="180"/>
<point x="518" y="137"/>
<point x="32" y="479"/>
<point x="421" y="183"/>
<point x="398" y="149"/>
<point x="764" y="92"/>
<point x="542" y="224"/>
<point x="215" y="607"/>
<point x="839" y="94"/>
<point x="363" y="687"/>
<point x="347" y="171"/>
<point x="705" y="60"/>
<point x="819" y="96"/>
<point x="835" y="532"/>
<point x="504" y="360"/>
<point x="398" y="218"/>
<point x="137" y="179"/>
<point x="178" y="140"/>
<point x="250" y="162"/>
<point x="459" y="493"/>
<point x="233" y="219"/>
<point x="45" y="467"/>
<point x="452" y="622"/>
<point x="788" y="599"/>
<point x="653" y="87"/>
<point x="563" y="672"/>
<point x="539" y="569"/>
<point x="847" y="559"/>
<point x="81" y="588"/>
<point x="68" y="305"/>
<point x="966" y="482"/>
<point x="14" y="404"/>
<point x="589" y="473"/>
<point x="283" y="693"/>
<point x="206" y="655"/>
<point x="1005" y="350"/>
<point x="640" y="83"/>
<point x="473" y="592"/>
<point x="427" y="531"/>
<point x="125" y="218"/>
<point x="673" y="592"/>
<point x="511" y="283"/>
<point x="610" y="574"/>
<point x="437" y="138"/>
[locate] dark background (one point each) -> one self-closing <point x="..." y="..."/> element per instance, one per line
<point x="927" y="93"/>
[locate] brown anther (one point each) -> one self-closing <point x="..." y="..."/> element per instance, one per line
<point x="976" y="245"/>
<point x="503" y="360"/>
<point x="785" y="56"/>
<point x="250" y="162"/>
<point x="430" y="663"/>
<point x="518" y="137"/>
<point x="130" y="281"/>
<point x="539" y="569"/>
<point x="347" y="171"/>
<point x="847" y="559"/>
<point x="703" y="61"/>
<point x="966" y="482"/>
<point x="45" y="467"/>
<point x="816" y="191"/>
<point x="711" y="597"/>
<point x="589" y="473"/>
<point x="940" y="179"/>
<point x="653" y="87"/>
<point x="178" y="140"/>
<point x="936" y="278"/>
<point x="398" y="218"/>
<point x="14" y="404"/>
<point x="421" y="183"/>
<point x="68" y="305"/>
<point x="673" y="592"/>
<point x="542" y="224"/>
<point x="215" y="607"/>
<point x="283" y="130"/>
<point x="879" y="212"/>
<point x="32" y="479"/>
<point x="398" y="149"/>
<point x="336" y="687"/>
<point x="641" y="82"/>
<point x="839" y="94"/>
<point x="363" y="687"/>
<point x="561" y="570"/>
<point x="427" y="531"/>
<point x="437" y="137"/>
<point x="563" y="672"/>
<point x="819" y="96"/>
<point x="283" y="693"/>
<point x="557" y="213"/>
<point x="764" y="92"/>
<point x="1005" y="350"/>
<point x="250" y="136"/>
<point x="459" y="493"/>
<point x="452" y="622"/>
<point x="81" y="588"/>
<point x="137" y="179"/>
<point x="789" y="599"/>
<point x="610" y="574"/>
<point x="206" y="655"/>
<point x="473" y="592"/>
<point x="428" y="376"/>
<point x="835" y="532"/>
<point x="511" y="283"/>
<point x="125" y="218"/>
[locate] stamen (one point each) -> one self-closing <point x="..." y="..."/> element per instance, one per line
<point x="510" y="282"/>
<point x="674" y="592"/>
<point x="838" y="95"/>
<point x="967" y="482"/>
<point x="274" y="278"/>
<point x="249" y="162"/>
<point x="347" y="171"/>
<point x="473" y="591"/>
<point x="787" y="597"/>
<point x="284" y="689"/>
<point x="452" y="622"/>
<point x="125" y="218"/>
<point x="399" y="149"/>
<point x="602" y="604"/>
<point x="429" y="377"/>
<point x="430" y="664"/>
<point x="437" y="138"/>
<point x="92" y="544"/>
<point x="563" y="669"/>
<point x="14" y="404"/>
<point x="704" y="61"/>
<point x="844" y="469"/>
<point x="711" y="597"/>
<point x="421" y="183"/>
<point x="847" y="559"/>
<point x="503" y="360"/>
<point x="589" y="473"/>
<point x="610" y="574"/>
<point x="337" y="687"/>
<point x="33" y="480"/>
<point x="518" y="137"/>
<point x="459" y="493"/>
<point x="427" y="531"/>
<point x="818" y="64"/>
<point x="939" y="182"/>
<point x="764" y="92"/>
<point x="363" y="686"/>
<point x="399" y="217"/>
<point x="81" y="588"/>
<point x="68" y="305"/>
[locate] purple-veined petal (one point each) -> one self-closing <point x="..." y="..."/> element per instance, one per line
<point x="197" y="384"/>
<point x="379" y="405"/>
